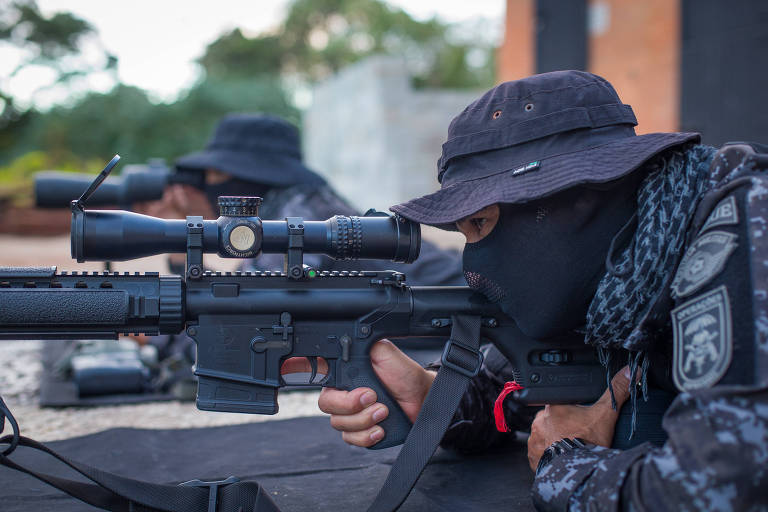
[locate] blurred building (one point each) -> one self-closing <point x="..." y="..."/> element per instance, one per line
<point x="376" y="138"/>
<point x="690" y="65"/>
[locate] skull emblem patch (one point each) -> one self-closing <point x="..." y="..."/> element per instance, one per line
<point x="703" y="340"/>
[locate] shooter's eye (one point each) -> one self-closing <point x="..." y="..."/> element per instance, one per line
<point x="478" y="225"/>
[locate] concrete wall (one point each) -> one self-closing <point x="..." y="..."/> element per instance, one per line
<point x="374" y="137"/>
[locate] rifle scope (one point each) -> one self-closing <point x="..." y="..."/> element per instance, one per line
<point x="117" y="235"/>
<point x="56" y="189"/>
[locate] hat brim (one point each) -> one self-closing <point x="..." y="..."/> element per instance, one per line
<point x="268" y="168"/>
<point x="599" y="164"/>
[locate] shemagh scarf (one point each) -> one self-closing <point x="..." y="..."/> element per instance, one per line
<point x="624" y="312"/>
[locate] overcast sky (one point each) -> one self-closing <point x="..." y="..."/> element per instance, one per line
<point x="157" y="41"/>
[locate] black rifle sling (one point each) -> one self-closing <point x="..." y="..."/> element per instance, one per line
<point x="120" y="494"/>
<point x="460" y="362"/>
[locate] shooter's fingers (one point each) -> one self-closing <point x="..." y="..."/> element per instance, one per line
<point x="178" y="195"/>
<point x="365" y="438"/>
<point x="363" y="420"/>
<point x="336" y="401"/>
<point x="302" y="365"/>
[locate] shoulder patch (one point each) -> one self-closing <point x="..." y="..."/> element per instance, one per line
<point x="703" y="340"/>
<point x="703" y="260"/>
<point x="724" y="214"/>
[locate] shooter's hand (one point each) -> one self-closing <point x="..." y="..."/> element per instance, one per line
<point x="356" y="413"/>
<point x="594" y="423"/>
<point x="178" y="202"/>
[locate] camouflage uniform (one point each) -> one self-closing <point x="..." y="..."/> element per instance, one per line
<point x="434" y="266"/>
<point x="716" y="457"/>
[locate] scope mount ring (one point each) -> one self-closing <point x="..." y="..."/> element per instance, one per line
<point x="294" y="256"/>
<point x="194" y="247"/>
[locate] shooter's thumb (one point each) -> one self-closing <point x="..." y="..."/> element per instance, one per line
<point x="620" y="384"/>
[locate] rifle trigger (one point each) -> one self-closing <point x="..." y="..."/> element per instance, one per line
<point x="313" y="365"/>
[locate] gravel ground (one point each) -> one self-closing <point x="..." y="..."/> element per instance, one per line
<point x="19" y="386"/>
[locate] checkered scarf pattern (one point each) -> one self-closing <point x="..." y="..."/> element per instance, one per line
<point x="622" y="314"/>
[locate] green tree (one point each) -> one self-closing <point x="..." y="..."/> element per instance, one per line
<point x="45" y="41"/>
<point x="40" y="41"/>
<point x="233" y="55"/>
<point x="320" y="37"/>
<point x="241" y="74"/>
<point x="125" y="121"/>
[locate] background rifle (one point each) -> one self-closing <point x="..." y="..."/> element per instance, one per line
<point x="55" y="189"/>
<point x="246" y="324"/>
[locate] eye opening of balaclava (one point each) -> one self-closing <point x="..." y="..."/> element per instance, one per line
<point x="543" y="260"/>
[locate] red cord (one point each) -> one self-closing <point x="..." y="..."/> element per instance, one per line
<point x="498" y="407"/>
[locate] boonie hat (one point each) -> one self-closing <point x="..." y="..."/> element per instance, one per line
<point x="254" y="147"/>
<point x="531" y="138"/>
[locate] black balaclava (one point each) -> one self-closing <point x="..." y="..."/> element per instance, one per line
<point x="233" y="187"/>
<point x="544" y="259"/>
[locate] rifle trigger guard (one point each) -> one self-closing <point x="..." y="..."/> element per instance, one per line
<point x="313" y="365"/>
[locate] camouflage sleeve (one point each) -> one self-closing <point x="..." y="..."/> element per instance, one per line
<point x="716" y="457"/>
<point x="473" y="428"/>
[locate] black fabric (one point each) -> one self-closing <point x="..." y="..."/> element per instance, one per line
<point x="115" y="493"/>
<point x="645" y="424"/>
<point x="302" y="463"/>
<point x="543" y="260"/>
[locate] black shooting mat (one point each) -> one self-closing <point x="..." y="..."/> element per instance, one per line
<point x="60" y="391"/>
<point x="302" y="463"/>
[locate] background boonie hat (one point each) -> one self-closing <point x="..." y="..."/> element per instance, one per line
<point x="254" y="147"/>
<point x="531" y="138"/>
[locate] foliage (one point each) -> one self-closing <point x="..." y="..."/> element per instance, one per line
<point x="126" y="121"/>
<point x="320" y="37"/>
<point x="45" y="42"/>
<point x="16" y="178"/>
<point x="241" y="74"/>
<point x="233" y="55"/>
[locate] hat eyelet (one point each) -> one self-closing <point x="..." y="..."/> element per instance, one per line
<point x="496" y="114"/>
<point x="528" y="107"/>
